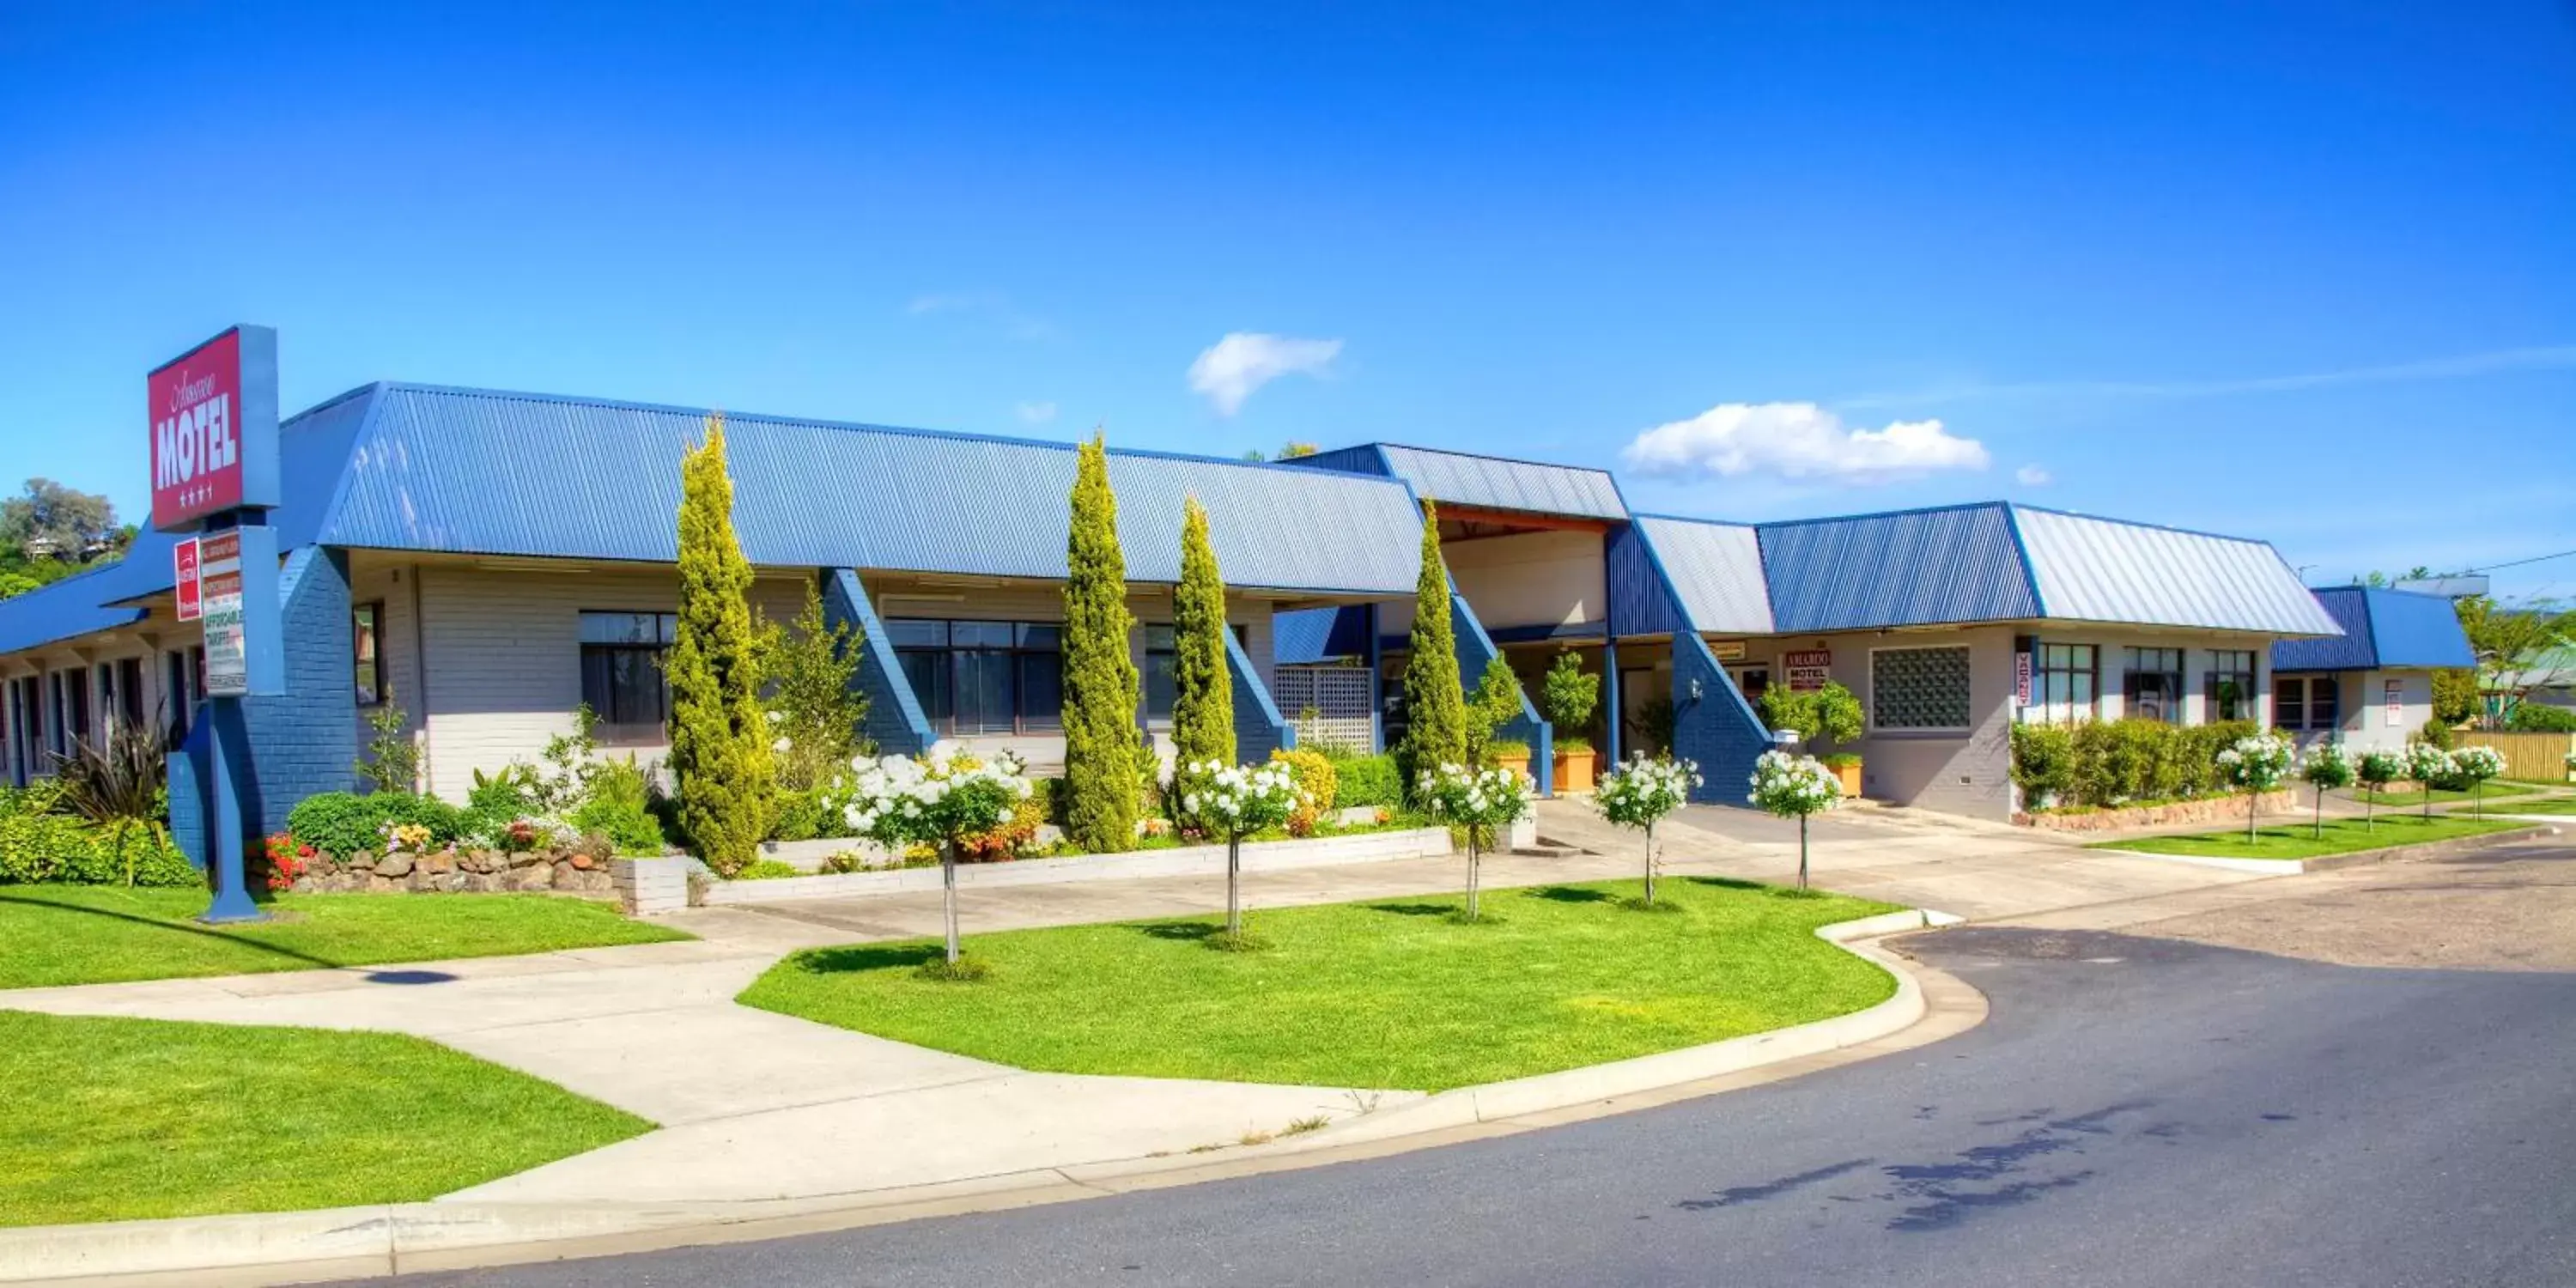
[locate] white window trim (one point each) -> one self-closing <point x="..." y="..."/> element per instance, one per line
<point x="1932" y="731"/>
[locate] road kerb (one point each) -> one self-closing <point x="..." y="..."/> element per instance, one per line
<point x="309" y="1246"/>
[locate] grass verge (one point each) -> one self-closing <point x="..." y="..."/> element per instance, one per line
<point x="1390" y="994"/>
<point x="2287" y="840"/>
<point x="122" y="1120"/>
<point x="96" y="935"/>
<point x="2402" y="797"/>
<point x="2561" y="805"/>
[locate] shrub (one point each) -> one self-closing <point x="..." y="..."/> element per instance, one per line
<point x="799" y="816"/>
<point x="1101" y="750"/>
<point x="40" y="843"/>
<point x="1831" y="713"/>
<point x="2537" y="717"/>
<point x="1366" y="780"/>
<point x="720" y="739"/>
<point x="120" y="779"/>
<point x="345" y="823"/>
<point x="817" y="713"/>
<point x="1004" y="843"/>
<point x="2114" y="762"/>
<point x="2435" y="734"/>
<point x="1202" y="688"/>
<point x="768" y="870"/>
<point x="1568" y="695"/>
<point x="1435" y="731"/>
<point x="1317" y="786"/>
<point x="2043" y="764"/>
<point x="392" y="762"/>
<point x="627" y="825"/>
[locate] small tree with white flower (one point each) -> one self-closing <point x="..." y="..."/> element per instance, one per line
<point x="1238" y="801"/>
<point x="1639" y="793"/>
<point x="2474" y="766"/>
<point x="1794" y="787"/>
<point x="2254" y="766"/>
<point x="1479" y="800"/>
<point x="2568" y="761"/>
<point x="900" y="801"/>
<point x="2426" y="765"/>
<point x="2375" y="770"/>
<point x="2326" y="768"/>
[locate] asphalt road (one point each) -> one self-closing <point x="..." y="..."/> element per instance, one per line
<point x="2136" y="1111"/>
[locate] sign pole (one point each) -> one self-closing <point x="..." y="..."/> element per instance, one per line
<point x="232" y="901"/>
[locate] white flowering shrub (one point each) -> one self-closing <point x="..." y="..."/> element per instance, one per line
<point x="2377" y="769"/>
<point x="1238" y="800"/>
<point x="1477" y="798"/>
<point x="1642" y="791"/>
<point x="2256" y="764"/>
<point x="901" y="800"/>
<point x="2326" y="767"/>
<point x="2426" y="763"/>
<point x="1793" y="786"/>
<point x="2478" y="764"/>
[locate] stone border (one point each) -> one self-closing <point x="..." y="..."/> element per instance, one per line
<point x="2207" y="809"/>
<point x="1191" y="860"/>
<point x="2328" y="862"/>
<point x="360" y="1242"/>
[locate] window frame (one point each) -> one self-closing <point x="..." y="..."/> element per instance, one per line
<point x="2309" y="688"/>
<point x="666" y="629"/>
<point x="367" y="652"/>
<point x="2174" y="677"/>
<point x="2251" y="676"/>
<point x="2091" y="673"/>
<point x="946" y="659"/>
<point x="1968" y="700"/>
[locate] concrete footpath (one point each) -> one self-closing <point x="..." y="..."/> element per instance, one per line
<point x="764" y="1117"/>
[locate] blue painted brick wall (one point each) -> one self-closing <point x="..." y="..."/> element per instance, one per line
<point x="1719" y="730"/>
<point x="1475" y="650"/>
<point x="1258" y="730"/>
<point x="304" y="740"/>
<point x="895" y="722"/>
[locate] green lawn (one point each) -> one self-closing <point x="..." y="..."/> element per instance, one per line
<point x="117" y="1119"/>
<point x="2298" y="841"/>
<point x="2405" y="796"/>
<point x="1390" y="994"/>
<point x="2560" y="805"/>
<point x="95" y="935"/>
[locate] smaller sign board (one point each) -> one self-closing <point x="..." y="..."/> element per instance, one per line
<point x="192" y="603"/>
<point x="2396" y="698"/>
<point x="1808" y="669"/>
<point x="219" y="597"/>
<point x="2021" y="679"/>
<point x="1726" y="650"/>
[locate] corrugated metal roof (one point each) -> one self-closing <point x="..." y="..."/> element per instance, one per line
<point x="1715" y="569"/>
<point x="2382" y="628"/>
<point x="1907" y="568"/>
<point x="2103" y="570"/>
<point x="1307" y="635"/>
<point x="1487" y="482"/>
<point x="481" y="472"/>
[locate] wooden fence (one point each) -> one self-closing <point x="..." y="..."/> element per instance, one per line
<point x="2531" y="757"/>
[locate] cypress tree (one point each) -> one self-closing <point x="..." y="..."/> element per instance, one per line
<point x="1202" y="688"/>
<point x="719" y="736"/>
<point x="1101" y="751"/>
<point x="1435" y="707"/>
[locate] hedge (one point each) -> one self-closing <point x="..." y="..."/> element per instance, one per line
<point x="345" y="823"/>
<point x="1366" y="781"/>
<point x="38" y="844"/>
<point x="2118" y="762"/>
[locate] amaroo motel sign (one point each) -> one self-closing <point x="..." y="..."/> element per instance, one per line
<point x="215" y="477"/>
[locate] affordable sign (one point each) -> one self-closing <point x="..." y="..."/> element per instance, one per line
<point x="214" y="428"/>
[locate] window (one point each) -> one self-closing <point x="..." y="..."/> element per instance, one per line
<point x="2152" y="684"/>
<point x="108" y="705"/>
<point x="76" y="726"/>
<point x="129" y="690"/>
<point x="621" y="666"/>
<point x="1160" y="656"/>
<point x="1919" y="689"/>
<point x="366" y="627"/>
<point x="2229" y="686"/>
<point x="181" y="691"/>
<point x="2307" y="704"/>
<point x="976" y="677"/>
<point x="2063" y="688"/>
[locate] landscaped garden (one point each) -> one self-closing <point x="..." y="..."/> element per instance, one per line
<point x="119" y="1119"/>
<point x="2310" y="840"/>
<point x="57" y="934"/>
<point x="1391" y="994"/>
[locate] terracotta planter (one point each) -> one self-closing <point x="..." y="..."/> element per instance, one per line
<point x="1517" y="764"/>
<point x="1574" y="771"/>
<point x="1849" y="776"/>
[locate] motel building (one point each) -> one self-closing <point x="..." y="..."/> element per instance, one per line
<point x="2370" y="688"/>
<point x="486" y="562"/>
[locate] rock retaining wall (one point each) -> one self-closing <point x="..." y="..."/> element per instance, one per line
<point x="454" y="872"/>
<point x="2212" y="810"/>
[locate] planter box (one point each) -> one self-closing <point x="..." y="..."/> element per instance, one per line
<point x="1517" y="764"/>
<point x="1849" y="777"/>
<point x="1194" y="860"/>
<point x="1523" y="834"/>
<point x="1574" y="771"/>
<point x="647" y="887"/>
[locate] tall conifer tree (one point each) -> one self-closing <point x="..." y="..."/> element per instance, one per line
<point x="719" y="736"/>
<point x="1102" y="751"/>
<point x="1202" y="687"/>
<point x="1435" y="707"/>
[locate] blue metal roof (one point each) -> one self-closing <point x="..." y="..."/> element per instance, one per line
<point x="2103" y="570"/>
<point x="1716" y="570"/>
<point x="2382" y="628"/>
<point x="1306" y="635"/>
<point x="1485" y="482"/>
<point x="480" y="472"/>
<point x="1908" y="568"/>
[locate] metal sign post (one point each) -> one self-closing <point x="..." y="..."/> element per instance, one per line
<point x="213" y="414"/>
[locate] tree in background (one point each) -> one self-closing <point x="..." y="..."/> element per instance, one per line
<point x="1435" y="700"/>
<point x="1202" y="688"/>
<point x="817" y="713"/>
<point x="1101" y="751"/>
<point x="720" y="739"/>
<point x="50" y="531"/>
<point x="1495" y="703"/>
<point x="2506" y="641"/>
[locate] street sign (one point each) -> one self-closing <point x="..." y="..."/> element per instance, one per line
<point x="192" y="601"/>
<point x="219" y="581"/>
<point x="213" y="429"/>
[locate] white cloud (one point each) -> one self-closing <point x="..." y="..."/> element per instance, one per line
<point x="1036" y="413"/>
<point x="2555" y="357"/>
<point x="1799" y="440"/>
<point x="2033" y="476"/>
<point x="1232" y="368"/>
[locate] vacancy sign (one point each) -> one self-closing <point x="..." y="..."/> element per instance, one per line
<point x="214" y="428"/>
<point x="219" y="594"/>
<point x="192" y="599"/>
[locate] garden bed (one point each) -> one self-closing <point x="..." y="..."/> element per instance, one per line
<point x="455" y="872"/>
<point x="1388" y="994"/>
<point x="2207" y="809"/>
<point x="1187" y="860"/>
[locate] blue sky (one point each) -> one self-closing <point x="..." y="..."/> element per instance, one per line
<point x="2307" y="273"/>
